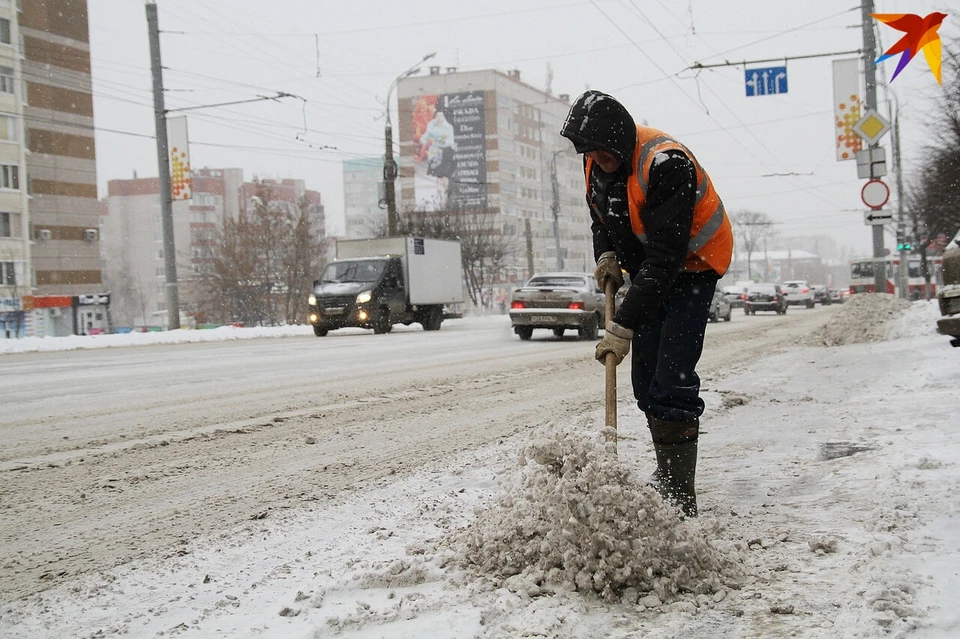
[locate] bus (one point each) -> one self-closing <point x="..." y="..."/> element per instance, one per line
<point x="862" y="275"/>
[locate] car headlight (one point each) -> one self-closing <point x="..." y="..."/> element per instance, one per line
<point x="364" y="297"/>
<point x="312" y="300"/>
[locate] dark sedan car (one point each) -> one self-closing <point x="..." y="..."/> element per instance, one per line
<point x="558" y="301"/>
<point x="765" y="296"/>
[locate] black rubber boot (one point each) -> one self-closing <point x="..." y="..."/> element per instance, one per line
<point x="676" y="446"/>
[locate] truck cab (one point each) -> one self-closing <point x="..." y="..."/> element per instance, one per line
<point x="360" y="292"/>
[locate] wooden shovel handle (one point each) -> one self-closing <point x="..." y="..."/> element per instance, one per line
<point x="610" y="422"/>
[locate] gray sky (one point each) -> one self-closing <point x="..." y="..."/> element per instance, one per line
<point x="342" y="56"/>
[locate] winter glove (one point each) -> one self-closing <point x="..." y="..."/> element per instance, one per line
<point x="616" y="340"/>
<point x="608" y="268"/>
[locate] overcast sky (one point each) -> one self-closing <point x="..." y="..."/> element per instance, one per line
<point x="773" y="154"/>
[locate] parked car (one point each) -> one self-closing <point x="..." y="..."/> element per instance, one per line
<point x="798" y="292"/>
<point x="835" y="296"/>
<point x="720" y="307"/>
<point x="558" y="302"/>
<point x="765" y="296"/>
<point x="734" y="295"/>
<point x="820" y="295"/>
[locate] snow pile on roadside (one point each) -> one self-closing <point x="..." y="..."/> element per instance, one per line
<point x="863" y="318"/>
<point x="920" y="320"/>
<point x="571" y="517"/>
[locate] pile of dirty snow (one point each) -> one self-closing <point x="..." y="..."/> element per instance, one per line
<point x="572" y="517"/>
<point x="863" y="318"/>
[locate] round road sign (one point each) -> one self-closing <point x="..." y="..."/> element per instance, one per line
<point x="875" y="194"/>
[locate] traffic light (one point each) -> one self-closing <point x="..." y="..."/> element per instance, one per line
<point x="904" y="246"/>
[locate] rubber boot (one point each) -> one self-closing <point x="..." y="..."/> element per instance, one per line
<point x="676" y="446"/>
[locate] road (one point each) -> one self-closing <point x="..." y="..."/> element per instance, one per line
<point x="110" y="455"/>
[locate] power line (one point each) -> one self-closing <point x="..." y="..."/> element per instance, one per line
<point x="697" y="65"/>
<point x="736" y="139"/>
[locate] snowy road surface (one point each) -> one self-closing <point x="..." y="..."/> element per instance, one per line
<point x="128" y="472"/>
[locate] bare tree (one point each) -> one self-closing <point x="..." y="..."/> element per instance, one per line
<point x="933" y="195"/>
<point x="303" y="260"/>
<point x="752" y="229"/>
<point x="127" y="297"/>
<point x="264" y="263"/>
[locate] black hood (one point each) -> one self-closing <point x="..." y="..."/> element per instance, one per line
<point x="598" y="122"/>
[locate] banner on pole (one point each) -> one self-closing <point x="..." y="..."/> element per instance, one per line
<point x="847" y="105"/>
<point x="179" y="158"/>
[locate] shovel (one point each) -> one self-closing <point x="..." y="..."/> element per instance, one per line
<point x="610" y="423"/>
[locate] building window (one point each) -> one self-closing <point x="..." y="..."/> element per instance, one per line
<point x="7" y="275"/>
<point x="9" y="176"/>
<point x="8" y="128"/>
<point x="4" y="31"/>
<point x="6" y="80"/>
<point x="6" y="224"/>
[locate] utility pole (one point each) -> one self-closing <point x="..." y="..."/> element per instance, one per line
<point x="903" y="271"/>
<point x="555" y="207"/>
<point x="528" y="233"/>
<point x="163" y="167"/>
<point x="389" y="178"/>
<point x="870" y="103"/>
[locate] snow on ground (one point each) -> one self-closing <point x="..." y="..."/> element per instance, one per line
<point x="827" y="479"/>
<point x="189" y="336"/>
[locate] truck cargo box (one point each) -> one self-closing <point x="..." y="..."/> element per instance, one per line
<point x="431" y="267"/>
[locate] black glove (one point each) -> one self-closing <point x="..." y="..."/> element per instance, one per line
<point x="608" y="268"/>
<point x="616" y="340"/>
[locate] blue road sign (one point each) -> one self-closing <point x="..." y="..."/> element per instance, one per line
<point x="766" y="81"/>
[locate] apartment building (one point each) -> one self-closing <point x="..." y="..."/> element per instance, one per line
<point x="362" y="193"/>
<point x="14" y="215"/>
<point x="69" y="295"/>
<point x="132" y="236"/>
<point x="487" y="140"/>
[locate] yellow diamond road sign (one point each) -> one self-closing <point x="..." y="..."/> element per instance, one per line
<point x="871" y="127"/>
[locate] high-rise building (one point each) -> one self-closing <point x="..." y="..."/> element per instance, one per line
<point x="362" y="193"/>
<point x="61" y="164"/>
<point x="487" y="140"/>
<point x="15" y="281"/>
<point x="132" y="236"/>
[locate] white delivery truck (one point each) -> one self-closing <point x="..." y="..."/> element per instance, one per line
<point x="377" y="283"/>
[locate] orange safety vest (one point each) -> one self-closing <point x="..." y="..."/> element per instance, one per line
<point x="711" y="237"/>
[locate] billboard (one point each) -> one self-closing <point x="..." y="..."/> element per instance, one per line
<point x="178" y="142"/>
<point x="846" y="107"/>
<point x="450" y="159"/>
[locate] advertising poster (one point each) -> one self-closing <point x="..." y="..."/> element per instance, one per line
<point x="179" y="159"/>
<point x="846" y="107"/>
<point x="450" y="162"/>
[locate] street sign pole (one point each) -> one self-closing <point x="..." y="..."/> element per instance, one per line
<point x="870" y="104"/>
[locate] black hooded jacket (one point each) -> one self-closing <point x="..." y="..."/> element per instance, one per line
<point x="597" y="121"/>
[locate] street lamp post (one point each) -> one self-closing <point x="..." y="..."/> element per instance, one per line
<point x="389" y="165"/>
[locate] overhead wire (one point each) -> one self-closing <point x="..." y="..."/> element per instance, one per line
<point x="748" y="130"/>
